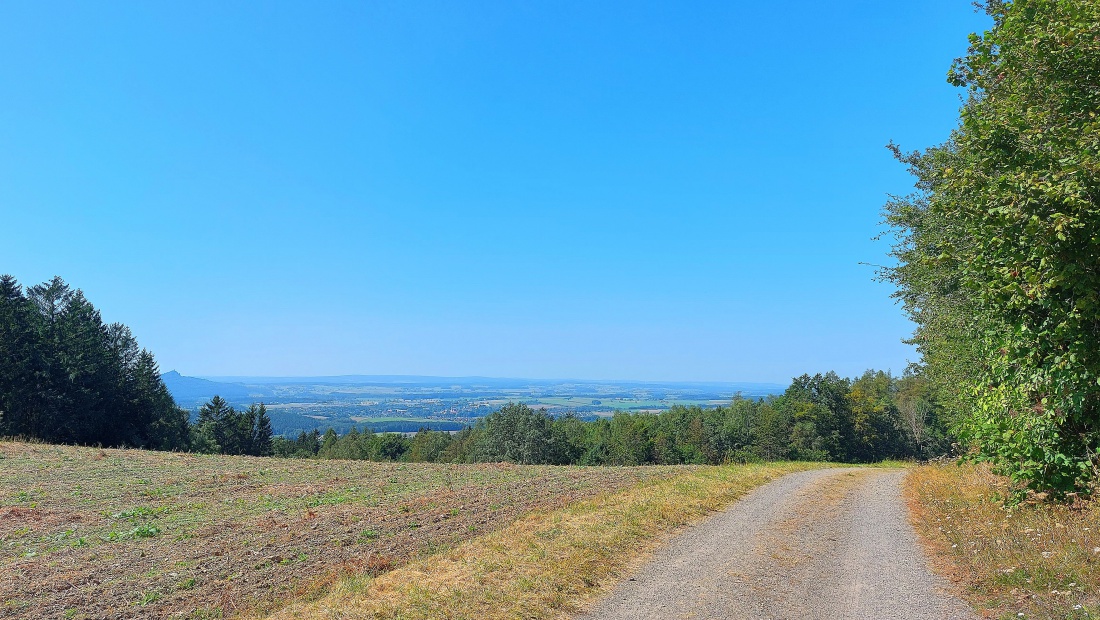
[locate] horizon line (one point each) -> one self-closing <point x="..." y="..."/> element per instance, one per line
<point x="273" y="378"/>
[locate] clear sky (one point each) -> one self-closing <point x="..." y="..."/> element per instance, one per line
<point x="616" y="190"/>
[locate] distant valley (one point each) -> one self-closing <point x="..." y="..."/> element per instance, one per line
<point x="398" y="403"/>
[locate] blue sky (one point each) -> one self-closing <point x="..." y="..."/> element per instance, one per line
<point x="634" y="190"/>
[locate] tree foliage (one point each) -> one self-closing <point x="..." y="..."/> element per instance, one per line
<point x="67" y="377"/>
<point x="820" y="417"/>
<point x="223" y="429"/>
<point x="999" y="248"/>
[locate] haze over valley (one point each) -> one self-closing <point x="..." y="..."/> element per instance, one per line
<point x="406" y="403"/>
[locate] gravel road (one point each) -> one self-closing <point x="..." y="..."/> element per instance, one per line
<point x="831" y="543"/>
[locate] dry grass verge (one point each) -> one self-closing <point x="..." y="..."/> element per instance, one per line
<point x="1032" y="561"/>
<point x="549" y="563"/>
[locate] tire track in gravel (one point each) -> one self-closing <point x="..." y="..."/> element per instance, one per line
<point x="832" y="543"/>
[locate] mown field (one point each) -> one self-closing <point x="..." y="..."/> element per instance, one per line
<point x="90" y="533"/>
<point x="1035" y="560"/>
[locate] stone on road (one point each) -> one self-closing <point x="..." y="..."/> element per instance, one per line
<point x="833" y="543"/>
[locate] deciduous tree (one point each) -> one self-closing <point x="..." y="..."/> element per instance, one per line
<point x="999" y="248"/>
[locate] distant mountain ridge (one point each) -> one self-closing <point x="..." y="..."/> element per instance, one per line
<point x="189" y="392"/>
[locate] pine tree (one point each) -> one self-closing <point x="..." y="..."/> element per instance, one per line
<point x="16" y="358"/>
<point x="328" y="444"/>
<point x="218" y="422"/>
<point x="259" y="441"/>
<point x="65" y="376"/>
<point x="264" y="433"/>
<point x="164" y="423"/>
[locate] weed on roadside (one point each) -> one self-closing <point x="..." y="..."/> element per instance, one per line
<point x="1034" y="560"/>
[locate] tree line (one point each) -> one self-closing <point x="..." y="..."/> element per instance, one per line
<point x="68" y="377"/>
<point x="998" y="251"/>
<point x="820" y="418"/>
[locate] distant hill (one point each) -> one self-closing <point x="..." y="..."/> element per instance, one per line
<point x="190" y="392"/>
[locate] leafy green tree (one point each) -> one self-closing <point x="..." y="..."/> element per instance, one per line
<point x="630" y="439"/>
<point x="427" y="445"/>
<point x="821" y="417"/>
<point x="740" y="425"/>
<point x="919" y="417"/>
<point x="389" y="447"/>
<point x="349" y="446"/>
<point x="998" y="248"/>
<point x="462" y="447"/>
<point x="518" y="434"/>
<point x="806" y="439"/>
<point x="876" y="429"/>
<point x="570" y="438"/>
<point x="597" y="443"/>
<point x="773" y="432"/>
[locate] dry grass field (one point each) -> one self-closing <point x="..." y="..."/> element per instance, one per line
<point x="548" y="564"/>
<point x="90" y="533"/>
<point x="1032" y="561"/>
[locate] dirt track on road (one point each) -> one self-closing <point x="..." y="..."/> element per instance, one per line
<point x="833" y="543"/>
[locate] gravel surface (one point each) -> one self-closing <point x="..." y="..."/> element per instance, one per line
<point x="832" y="543"/>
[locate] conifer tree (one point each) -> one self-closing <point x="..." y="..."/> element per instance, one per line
<point x="65" y="376"/>
<point x="262" y="433"/>
<point x="218" y="422"/>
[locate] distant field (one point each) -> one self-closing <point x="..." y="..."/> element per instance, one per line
<point x="372" y="419"/>
<point x="90" y="533"/>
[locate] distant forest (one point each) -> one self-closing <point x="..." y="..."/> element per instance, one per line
<point x="818" y="418"/>
<point x="67" y="377"/>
